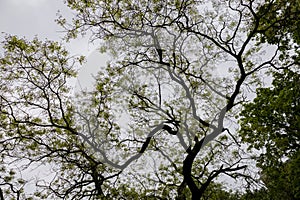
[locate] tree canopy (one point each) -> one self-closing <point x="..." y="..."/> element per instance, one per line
<point x="271" y="125"/>
<point x="159" y="122"/>
<point x="272" y="120"/>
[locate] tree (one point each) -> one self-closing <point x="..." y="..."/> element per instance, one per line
<point x="280" y="21"/>
<point x="38" y="126"/>
<point x="181" y="69"/>
<point x="273" y="116"/>
<point x="271" y="124"/>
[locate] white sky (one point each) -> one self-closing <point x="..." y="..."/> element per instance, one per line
<point x="29" y="18"/>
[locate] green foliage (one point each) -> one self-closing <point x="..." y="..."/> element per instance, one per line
<point x="279" y="24"/>
<point x="281" y="182"/>
<point x="272" y="121"/>
<point x="261" y="194"/>
<point x="283" y="178"/>
<point x="271" y="124"/>
<point x="280" y="20"/>
<point x="38" y="120"/>
<point x="215" y="191"/>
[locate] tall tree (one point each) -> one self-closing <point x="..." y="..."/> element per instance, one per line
<point x="180" y="71"/>
<point x="38" y="125"/>
<point x="271" y="124"/>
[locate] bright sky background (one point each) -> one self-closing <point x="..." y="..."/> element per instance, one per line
<point x="29" y="18"/>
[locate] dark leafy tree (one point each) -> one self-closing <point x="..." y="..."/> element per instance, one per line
<point x="275" y="127"/>
<point x="280" y="25"/>
<point x="271" y="124"/>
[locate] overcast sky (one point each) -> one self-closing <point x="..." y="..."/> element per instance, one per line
<point x="29" y="18"/>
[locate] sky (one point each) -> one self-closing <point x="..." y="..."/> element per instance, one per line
<point x="30" y="18"/>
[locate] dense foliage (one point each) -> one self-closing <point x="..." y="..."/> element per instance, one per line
<point x="271" y="124"/>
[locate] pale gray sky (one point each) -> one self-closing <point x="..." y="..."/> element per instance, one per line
<point x="30" y="17"/>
